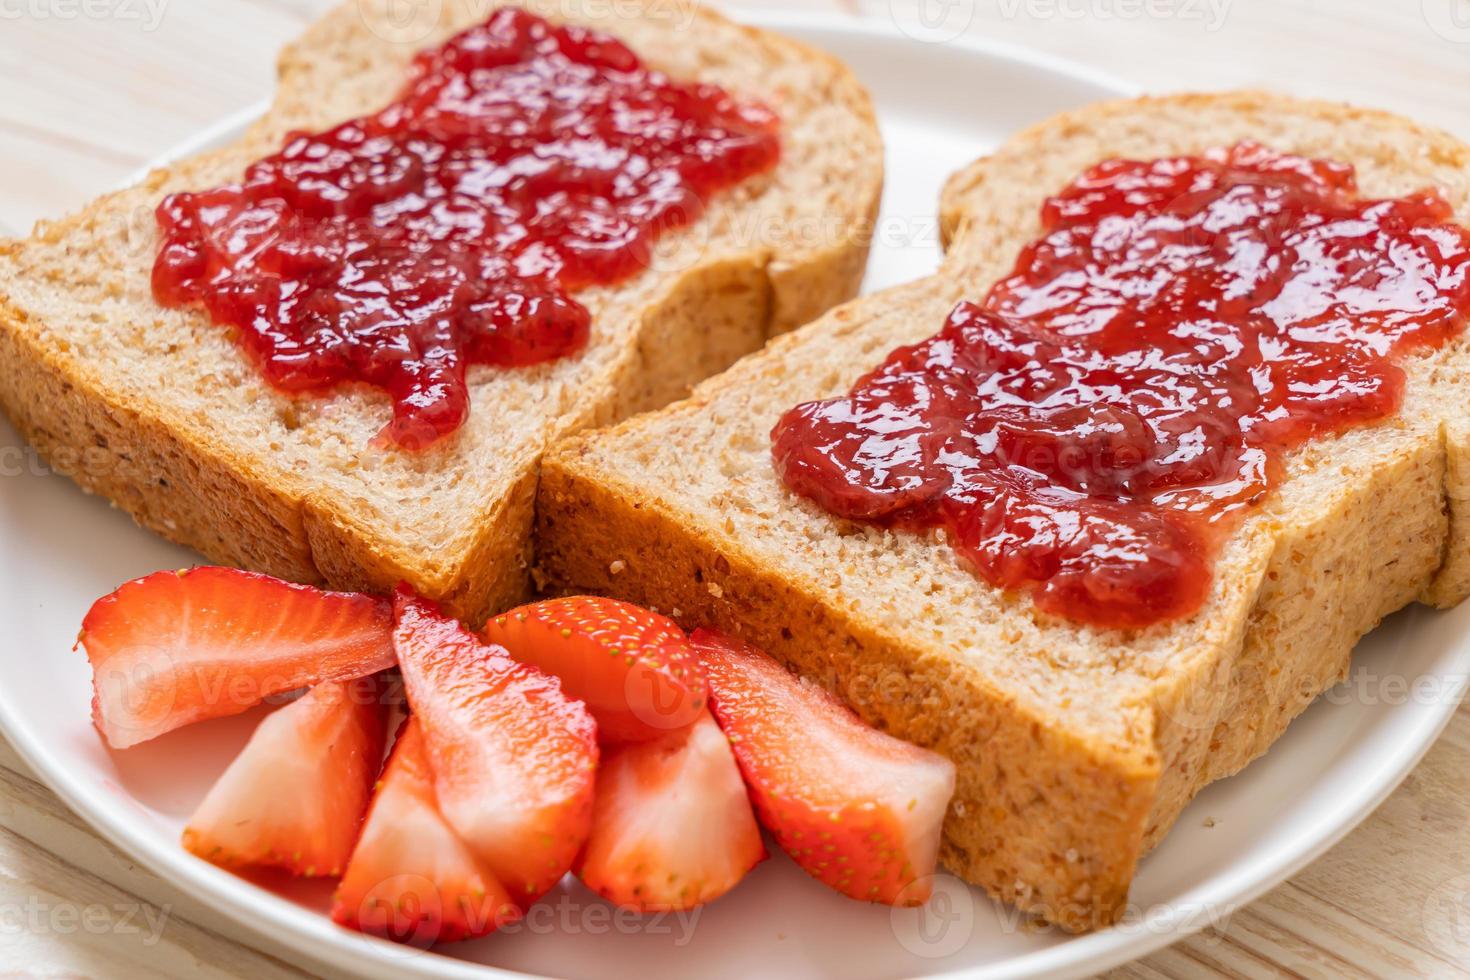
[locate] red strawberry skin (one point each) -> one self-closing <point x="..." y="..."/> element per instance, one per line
<point x="672" y="827"/>
<point x="514" y="758"/>
<point x="859" y="810"/>
<point x="173" y="648"/>
<point x="411" y="879"/>
<point x="635" y="670"/>
<point x="295" y="796"/>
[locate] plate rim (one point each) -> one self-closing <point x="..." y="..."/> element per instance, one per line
<point x="315" y="936"/>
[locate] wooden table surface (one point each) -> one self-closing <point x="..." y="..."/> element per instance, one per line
<point x="92" y="88"/>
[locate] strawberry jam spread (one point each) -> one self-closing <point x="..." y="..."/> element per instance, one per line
<point x="521" y="161"/>
<point x="1092" y="430"/>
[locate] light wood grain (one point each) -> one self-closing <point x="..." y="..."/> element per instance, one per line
<point x="88" y="100"/>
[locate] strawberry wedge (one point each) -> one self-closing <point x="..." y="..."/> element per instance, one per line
<point x="857" y="809"/>
<point x="295" y="797"/>
<point x="635" y="669"/>
<point x="411" y="879"/>
<point x="672" y="827"/>
<point x="173" y="648"/>
<point x="514" y="759"/>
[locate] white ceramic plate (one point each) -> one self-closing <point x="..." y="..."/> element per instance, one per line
<point x="940" y="106"/>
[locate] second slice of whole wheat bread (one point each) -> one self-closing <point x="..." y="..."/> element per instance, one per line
<point x="158" y="409"/>
<point x="1076" y="746"/>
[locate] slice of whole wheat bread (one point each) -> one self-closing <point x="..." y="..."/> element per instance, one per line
<point x="1077" y="747"/>
<point x="158" y="409"/>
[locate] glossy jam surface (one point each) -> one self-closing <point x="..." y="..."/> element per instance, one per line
<point x="520" y="162"/>
<point x="1092" y="430"/>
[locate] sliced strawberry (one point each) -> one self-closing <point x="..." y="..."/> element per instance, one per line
<point x="411" y="879"/>
<point x="672" y="827"/>
<point x="295" y="797"/>
<point x="174" y="648"/>
<point x="634" y="668"/>
<point x="857" y="809"/>
<point x="514" y="759"/>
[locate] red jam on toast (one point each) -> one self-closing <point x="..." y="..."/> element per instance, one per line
<point x="1092" y="430"/>
<point x="522" y="161"/>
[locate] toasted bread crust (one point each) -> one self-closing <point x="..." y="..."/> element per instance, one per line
<point x="188" y="478"/>
<point x="608" y="538"/>
<point x="1076" y="747"/>
<point x="188" y="492"/>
